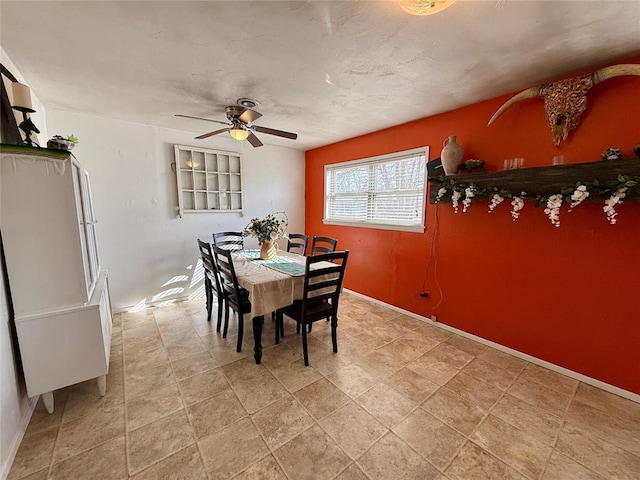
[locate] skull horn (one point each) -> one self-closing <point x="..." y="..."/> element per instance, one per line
<point x="615" y="71"/>
<point x="532" y="92"/>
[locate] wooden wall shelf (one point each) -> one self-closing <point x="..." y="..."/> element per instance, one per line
<point x="543" y="180"/>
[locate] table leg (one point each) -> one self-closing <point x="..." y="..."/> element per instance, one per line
<point x="257" y="338"/>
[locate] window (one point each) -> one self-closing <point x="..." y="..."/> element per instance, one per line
<point x="381" y="192"/>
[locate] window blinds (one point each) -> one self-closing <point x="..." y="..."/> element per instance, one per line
<point x="385" y="191"/>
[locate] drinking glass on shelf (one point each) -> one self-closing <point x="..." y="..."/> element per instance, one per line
<point x="518" y="162"/>
<point x="508" y="164"/>
<point x="558" y="160"/>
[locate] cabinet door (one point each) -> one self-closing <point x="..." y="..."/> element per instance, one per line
<point x="86" y="223"/>
<point x="90" y="228"/>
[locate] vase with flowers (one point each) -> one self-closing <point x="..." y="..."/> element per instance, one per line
<point x="267" y="230"/>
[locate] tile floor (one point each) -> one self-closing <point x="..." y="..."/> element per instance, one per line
<point x="402" y="399"/>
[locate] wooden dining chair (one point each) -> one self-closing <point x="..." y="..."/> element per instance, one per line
<point x="212" y="283"/>
<point x="322" y="245"/>
<point x="237" y="297"/>
<point x="297" y="243"/>
<point x="229" y="240"/>
<point x="323" y="278"/>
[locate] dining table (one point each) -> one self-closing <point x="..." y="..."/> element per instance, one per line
<point x="272" y="284"/>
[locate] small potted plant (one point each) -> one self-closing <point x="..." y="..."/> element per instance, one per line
<point x="612" y="154"/>
<point x="471" y="166"/>
<point x="59" y="142"/>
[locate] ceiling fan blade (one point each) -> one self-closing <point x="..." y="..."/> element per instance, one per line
<point x="200" y="118"/>
<point x="278" y="133"/>
<point x="253" y="140"/>
<point x="249" y="116"/>
<point x="211" y="134"/>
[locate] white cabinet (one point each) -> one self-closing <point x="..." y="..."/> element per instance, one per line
<point x="60" y="296"/>
<point x="208" y="180"/>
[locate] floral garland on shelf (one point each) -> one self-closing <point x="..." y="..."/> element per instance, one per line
<point x="614" y="191"/>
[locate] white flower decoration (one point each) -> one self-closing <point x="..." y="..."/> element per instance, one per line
<point x="496" y="200"/>
<point x="553" y="209"/>
<point x="611" y="202"/>
<point x="469" y="193"/>
<point x="441" y="193"/>
<point x="517" y="204"/>
<point x="578" y="196"/>
<point x="455" y="196"/>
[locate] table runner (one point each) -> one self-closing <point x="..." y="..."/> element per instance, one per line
<point x="251" y="254"/>
<point x="269" y="289"/>
<point x="280" y="263"/>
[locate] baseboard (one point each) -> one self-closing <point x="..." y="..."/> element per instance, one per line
<point x="529" y="358"/>
<point x="17" y="438"/>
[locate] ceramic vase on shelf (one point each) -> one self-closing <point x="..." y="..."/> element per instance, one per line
<point x="451" y="155"/>
<point x="268" y="250"/>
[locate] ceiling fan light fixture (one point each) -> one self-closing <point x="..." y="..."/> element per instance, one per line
<point x="239" y="134"/>
<point x="424" y="7"/>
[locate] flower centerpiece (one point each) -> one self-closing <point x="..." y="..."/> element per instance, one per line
<point x="267" y="231"/>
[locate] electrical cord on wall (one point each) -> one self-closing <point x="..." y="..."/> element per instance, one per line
<point x="433" y="260"/>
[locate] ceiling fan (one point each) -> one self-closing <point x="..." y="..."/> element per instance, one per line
<point x="240" y="125"/>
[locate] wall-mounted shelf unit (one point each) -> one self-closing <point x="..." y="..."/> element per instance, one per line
<point x="543" y="180"/>
<point x="208" y="180"/>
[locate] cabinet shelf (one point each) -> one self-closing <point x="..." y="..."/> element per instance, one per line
<point x="543" y="180"/>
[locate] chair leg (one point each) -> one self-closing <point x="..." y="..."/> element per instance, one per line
<point x="221" y="306"/>
<point x="298" y="328"/>
<point x="207" y="291"/>
<point x="240" y="331"/>
<point x="304" y="345"/>
<point x="334" y="331"/>
<point x="226" y="320"/>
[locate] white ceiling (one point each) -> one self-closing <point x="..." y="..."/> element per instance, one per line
<point x="328" y="70"/>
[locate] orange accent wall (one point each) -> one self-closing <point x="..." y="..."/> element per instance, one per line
<point x="567" y="295"/>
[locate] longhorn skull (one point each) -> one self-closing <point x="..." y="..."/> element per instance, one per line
<point x="565" y="100"/>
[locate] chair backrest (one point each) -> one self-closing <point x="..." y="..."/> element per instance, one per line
<point x="322" y="245"/>
<point x="297" y="243"/>
<point x="229" y="240"/>
<point x="210" y="268"/>
<point x="227" y="272"/>
<point x="323" y="278"/>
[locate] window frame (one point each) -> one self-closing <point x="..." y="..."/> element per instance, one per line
<point x="379" y="159"/>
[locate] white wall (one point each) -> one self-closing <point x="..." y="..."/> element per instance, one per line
<point x="142" y="241"/>
<point x="15" y="407"/>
